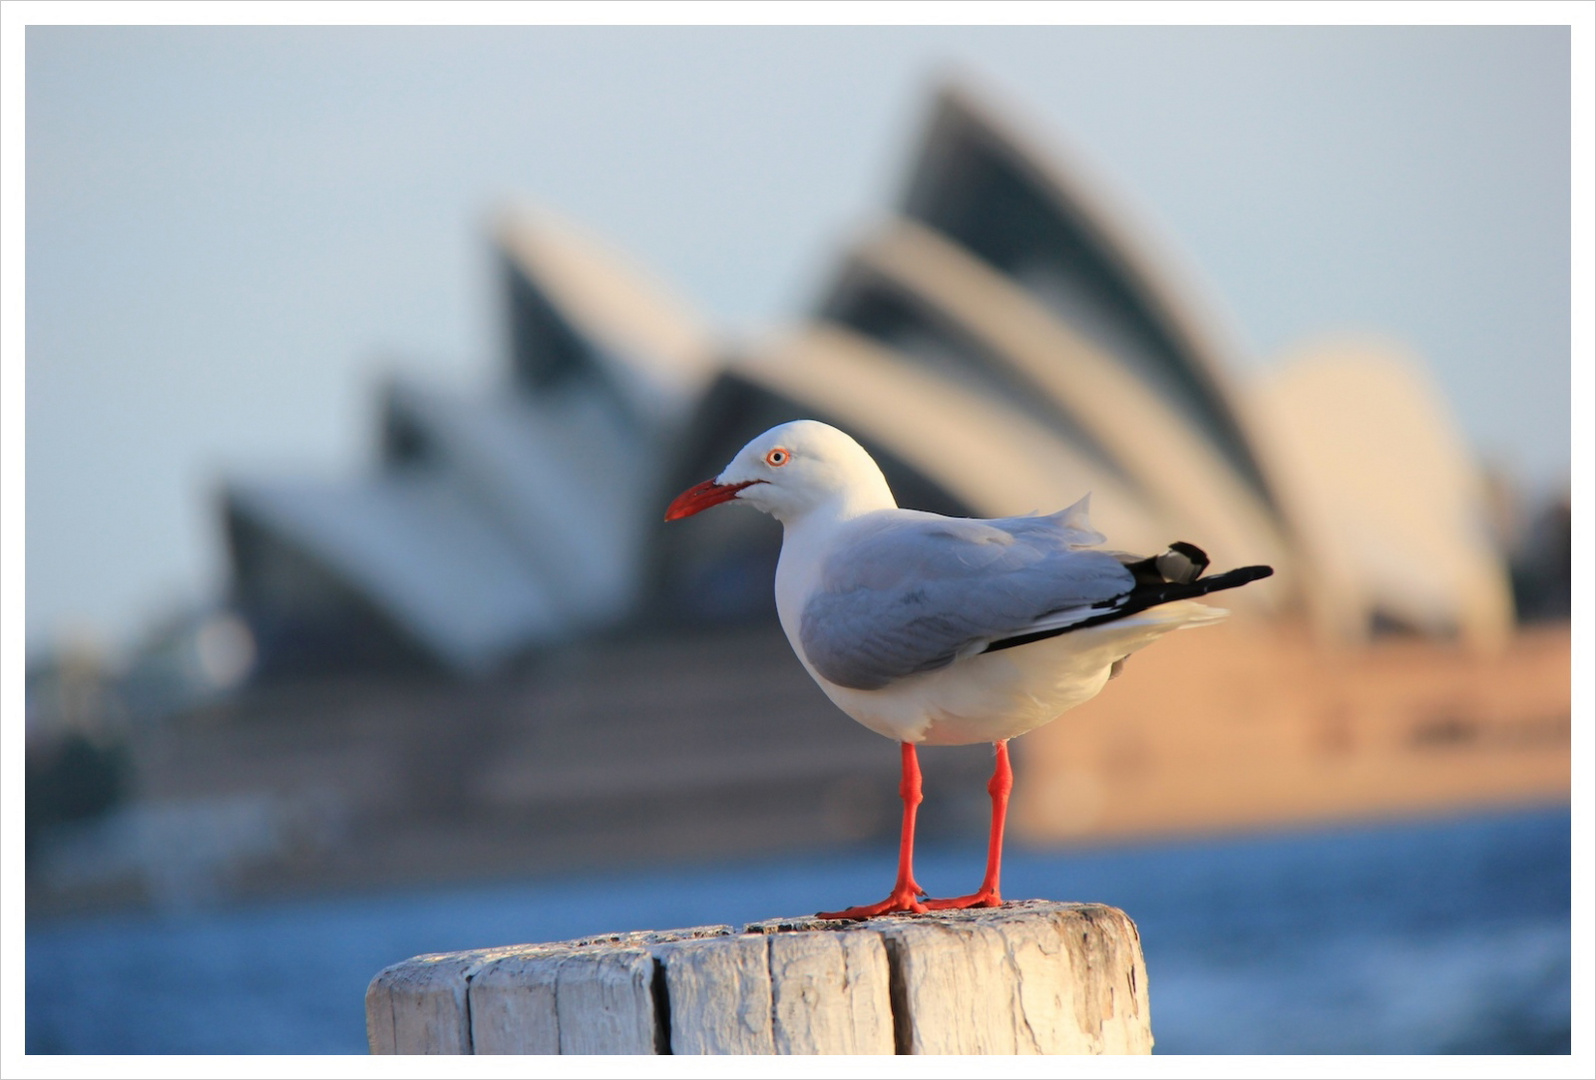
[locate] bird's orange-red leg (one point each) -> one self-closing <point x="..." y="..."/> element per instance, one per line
<point x="1001" y="784"/>
<point x="905" y="892"/>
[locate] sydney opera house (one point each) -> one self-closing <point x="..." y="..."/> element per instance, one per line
<point x="1003" y="342"/>
<point x="492" y="651"/>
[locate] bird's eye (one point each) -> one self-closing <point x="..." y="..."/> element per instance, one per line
<point x="777" y="458"/>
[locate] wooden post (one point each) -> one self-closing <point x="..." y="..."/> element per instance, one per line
<point x="1031" y="977"/>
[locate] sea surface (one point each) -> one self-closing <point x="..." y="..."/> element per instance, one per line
<point x="1438" y="937"/>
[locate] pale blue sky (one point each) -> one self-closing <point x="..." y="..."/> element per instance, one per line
<point x="233" y="231"/>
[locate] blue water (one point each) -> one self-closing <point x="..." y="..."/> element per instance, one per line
<point x="1441" y="937"/>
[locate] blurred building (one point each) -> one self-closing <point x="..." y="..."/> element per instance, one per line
<point x="499" y="521"/>
<point x="1003" y="344"/>
<point x="492" y="656"/>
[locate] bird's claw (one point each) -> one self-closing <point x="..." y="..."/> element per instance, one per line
<point x="902" y="901"/>
<point x="984" y="898"/>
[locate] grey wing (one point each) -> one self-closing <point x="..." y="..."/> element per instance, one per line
<point x="918" y="591"/>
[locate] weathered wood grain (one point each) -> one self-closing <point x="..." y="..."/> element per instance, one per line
<point x="719" y="993"/>
<point x="1032" y="977"/>
<point x="588" y="996"/>
<point x="605" y="1001"/>
<point x="831" y="993"/>
<point x="1029" y="978"/>
<point x="419" y="1006"/>
<point x="513" y="1005"/>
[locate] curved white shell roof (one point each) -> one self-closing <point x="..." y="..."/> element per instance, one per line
<point x="1393" y="505"/>
<point x="651" y="343"/>
<point x="428" y="559"/>
<point x="1167" y="463"/>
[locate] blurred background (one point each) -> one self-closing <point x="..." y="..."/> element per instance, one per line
<point x="362" y="363"/>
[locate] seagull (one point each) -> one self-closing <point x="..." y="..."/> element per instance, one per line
<point x="945" y="631"/>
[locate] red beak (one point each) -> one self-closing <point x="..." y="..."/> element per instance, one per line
<point x="702" y="497"/>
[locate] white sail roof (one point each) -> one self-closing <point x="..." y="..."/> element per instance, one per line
<point x="1098" y="404"/>
<point x="509" y="517"/>
<point x="421" y="553"/>
<point x="648" y="342"/>
<point x="563" y="480"/>
<point x="1017" y="203"/>
<point x="1392" y="503"/>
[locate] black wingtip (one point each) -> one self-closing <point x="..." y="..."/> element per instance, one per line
<point x="1144" y="597"/>
<point x="1230" y="579"/>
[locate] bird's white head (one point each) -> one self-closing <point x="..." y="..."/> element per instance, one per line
<point x="791" y="471"/>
